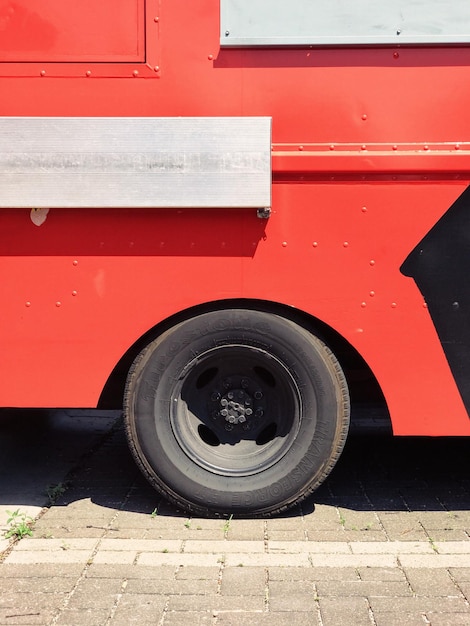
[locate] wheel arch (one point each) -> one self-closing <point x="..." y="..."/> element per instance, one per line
<point x="363" y="385"/>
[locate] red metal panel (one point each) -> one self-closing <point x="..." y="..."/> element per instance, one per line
<point x="64" y="31"/>
<point x="87" y="38"/>
<point x="80" y="289"/>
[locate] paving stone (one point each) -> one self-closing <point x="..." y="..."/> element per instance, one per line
<point x="465" y="588"/>
<point x="173" y="587"/>
<point x="350" y="611"/>
<point x="269" y="619"/>
<point x="305" y="603"/>
<point x="99" y="592"/>
<point x="420" y="604"/>
<point x="431" y="582"/>
<point x="157" y="559"/>
<point x="315" y="547"/>
<point x="224" y="547"/>
<point x="353" y="560"/>
<point x="36" y="585"/>
<point x="28" y="617"/>
<point x="55" y="557"/>
<point x="312" y="573"/>
<point x="110" y="557"/>
<point x="460" y="574"/>
<point x="83" y="617"/>
<point x="55" y="545"/>
<point x="267" y="560"/>
<point x="192" y="572"/>
<point x="392" y="547"/>
<point x="381" y="574"/>
<point x="363" y="588"/>
<point x="453" y="547"/>
<point x="141" y="545"/>
<point x="42" y="570"/>
<point x="215" y="603"/>
<point x="399" y="618"/>
<point x="29" y="602"/>
<point x="448" y="619"/>
<point x="243" y="581"/>
<point x="130" y="572"/>
<point x="434" y="560"/>
<point x="188" y="618"/>
<point x="139" y="609"/>
<point x="281" y="588"/>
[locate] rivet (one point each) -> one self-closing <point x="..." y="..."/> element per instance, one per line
<point x="363" y="305"/>
<point x="455" y="305"/>
<point x="210" y="57"/>
<point x="426" y="147"/>
<point x="42" y="72"/>
<point x="227" y="33"/>
<point x="135" y="73"/>
<point x="363" y="147"/>
<point x="345" y="244"/>
<point x="74" y="293"/>
<point x="75" y="262"/>
<point x="457" y="146"/>
<point x="372" y="294"/>
<point x="394" y="305"/>
<point x="364" y="209"/>
<point x="301" y="148"/>
<point x="88" y="73"/>
<point x="28" y="304"/>
<point x="284" y="244"/>
<point x="364" y="117"/>
<point x="396" y="55"/>
<point x="425" y="305"/>
<point x="315" y="244"/>
<point x="372" y="262"/>
<point x="332" y="147"/>
<point x="156" y="68"/>
<point x="155" y="19"/>
<point x="394" y="147"/>
<point x="58" y="303"/>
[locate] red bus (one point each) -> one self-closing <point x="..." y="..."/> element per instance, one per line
<point x="236" y="220"/>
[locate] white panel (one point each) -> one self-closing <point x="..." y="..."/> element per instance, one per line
<point x="347" y="22"/>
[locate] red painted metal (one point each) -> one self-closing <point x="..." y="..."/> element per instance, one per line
<point x="370" y="149"/>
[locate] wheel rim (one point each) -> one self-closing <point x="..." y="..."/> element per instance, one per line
<point x="235" y="410"/>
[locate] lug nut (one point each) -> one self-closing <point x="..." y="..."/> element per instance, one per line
<point x="258" y="395"/>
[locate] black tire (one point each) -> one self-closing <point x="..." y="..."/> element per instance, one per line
<point x="236" y="412"/>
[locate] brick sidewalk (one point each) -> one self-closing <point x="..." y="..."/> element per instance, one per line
<point x="386" y="541"/>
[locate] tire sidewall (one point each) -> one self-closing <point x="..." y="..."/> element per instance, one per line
<point x="153" y="390"/>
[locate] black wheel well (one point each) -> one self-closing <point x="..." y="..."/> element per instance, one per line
<point x="363" y="386"/>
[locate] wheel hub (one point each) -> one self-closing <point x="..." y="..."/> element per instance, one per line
<point x="237" y="401"/>
<point x="236" y="406"/>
